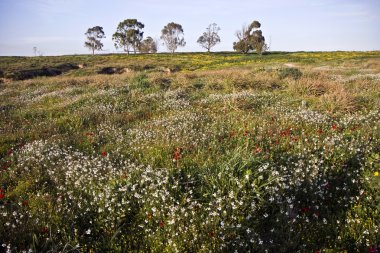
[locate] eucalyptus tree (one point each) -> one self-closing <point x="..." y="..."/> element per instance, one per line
<point x="172" y="35"/>
<point x="149" y="45"/>
<point x="210" y="37"/>
<point x="250" y="38"/>
<point x="93" y="38"/>
<point x="128" y="35"/>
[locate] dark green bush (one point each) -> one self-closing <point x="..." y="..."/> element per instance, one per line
<point x="293" y="73"/>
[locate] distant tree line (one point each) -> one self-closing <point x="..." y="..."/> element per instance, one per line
<point x="129" y="37"/>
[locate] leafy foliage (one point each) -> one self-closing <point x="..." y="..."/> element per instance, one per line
<point x="94" y="36"/>
<point x="210" y="38"/>
<point x="293" y="73"/>
<point x="149" y="45"/>
<point x="172" y="35"/>
<point x="250" y="38"/>
<point x="128" y="35"/>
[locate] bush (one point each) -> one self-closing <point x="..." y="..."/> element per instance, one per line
<point x="289" y="72"/>
<point x="140" y="81"/>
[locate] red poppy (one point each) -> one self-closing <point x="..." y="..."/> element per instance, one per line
<point x="104" y="153"/>
<point x="177" y="154"/>
<point x="44" y="230"/>
<point x="258" y="149"/>
<point x="334" y="127"/>
<point x="162" y="224"/>
<point x="2" y="194"/>
<point x="372" y="250"/>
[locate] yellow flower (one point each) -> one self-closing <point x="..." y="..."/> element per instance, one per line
<point x="376" y="174"/>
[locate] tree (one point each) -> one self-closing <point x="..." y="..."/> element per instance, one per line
<point x="35" y="50"/>
<point x="128" y="35"/>
<point x="250" y="38"/>
<point x="210" y="37"/>
<point x="172" y="35"/>
<point x="94" y="35"/>
<point x="149" y="45"/>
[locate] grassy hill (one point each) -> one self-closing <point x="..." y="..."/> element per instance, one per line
<point x="190" y="152"/>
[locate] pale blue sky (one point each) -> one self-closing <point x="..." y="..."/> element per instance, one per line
<point x="57" y="27"/>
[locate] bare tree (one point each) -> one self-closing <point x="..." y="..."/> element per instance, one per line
<point x="172" y="35"/>
<point x="210" y="37"/>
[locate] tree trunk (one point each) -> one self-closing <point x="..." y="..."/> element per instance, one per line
<point x="93" y="51"/>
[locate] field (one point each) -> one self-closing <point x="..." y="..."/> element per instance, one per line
<point x="190" y="152"/>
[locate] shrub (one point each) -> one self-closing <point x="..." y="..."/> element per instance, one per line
<point x="140" y="81"/>
<point x="293" y="73"/>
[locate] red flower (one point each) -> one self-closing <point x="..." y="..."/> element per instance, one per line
<point x="44" y="230"/>
<point x="162" y="224"/>
<point x="176" y="154"/>
<point x="258" y="150"/>
<point x="9" y="152"/>
<point x="305" y="209"/>
<point x="334" y="127"/>
<point x="2" y="194"/>
<point x="372" y="250"/>
<point x="104" y="153"/>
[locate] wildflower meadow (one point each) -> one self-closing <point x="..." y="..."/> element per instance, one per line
<point x="191" y="152"/>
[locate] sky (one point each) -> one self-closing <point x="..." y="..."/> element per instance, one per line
<point x="57" y="27"/>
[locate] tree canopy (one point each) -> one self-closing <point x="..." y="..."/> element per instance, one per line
<point x="94" y="35"/>
<point x="250" y="39"/>
<point x="149" y="45"/>
<point x="172" y="35"/>
<point x="128" y="35"/>
<point x="210" y="37"/>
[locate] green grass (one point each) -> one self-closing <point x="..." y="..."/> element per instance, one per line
<point x="226" y="152"/>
